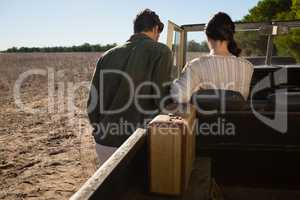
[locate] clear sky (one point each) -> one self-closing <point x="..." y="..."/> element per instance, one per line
<point x="74" y="22"/>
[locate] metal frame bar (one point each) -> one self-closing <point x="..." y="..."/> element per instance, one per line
<point x="242" y="26"/>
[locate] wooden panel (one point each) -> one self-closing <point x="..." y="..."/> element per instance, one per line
<point x="119" y="172"/>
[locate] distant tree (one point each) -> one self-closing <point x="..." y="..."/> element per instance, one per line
<point x="194" y="46"/>
<point x="289" y="45"/>
<point x="85" y="47"/>
<point x="272" y="10"/>
<point x="251" y="43"/>
<point x="12" y="50"/>
<point x="267" y="10"/>
<point x="204" y="46"/>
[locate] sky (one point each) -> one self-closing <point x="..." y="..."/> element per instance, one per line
<point x="73" y="22"/>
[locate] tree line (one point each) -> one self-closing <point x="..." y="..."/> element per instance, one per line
<point x="193" y="46"/>
<point x="86" y="47"/>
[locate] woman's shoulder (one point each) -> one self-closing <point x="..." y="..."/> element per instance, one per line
<point x="239" y="60"/>
<point x="198" y="63"/>
<point x="199" y="60"/>
<point x="244" y="61"/>
<point x="208" y="61"/>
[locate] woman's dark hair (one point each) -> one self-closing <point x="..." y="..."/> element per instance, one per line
<point x="221" y="27"/>
<point x="146" y="21"/>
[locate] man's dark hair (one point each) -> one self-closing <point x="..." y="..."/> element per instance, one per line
<point x="146" y="21"/>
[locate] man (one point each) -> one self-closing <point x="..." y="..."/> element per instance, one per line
<point x="129" y="84"/>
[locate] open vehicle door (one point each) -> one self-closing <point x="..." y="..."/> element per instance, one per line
<point x="176" y="42"/>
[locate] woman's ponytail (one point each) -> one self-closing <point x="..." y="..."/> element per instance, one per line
<point x="233" y="48"/>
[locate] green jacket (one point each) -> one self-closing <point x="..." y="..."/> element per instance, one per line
<point x="142" y="60"/>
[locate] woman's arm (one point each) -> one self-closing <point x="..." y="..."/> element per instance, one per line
<point x="188" y="82"/>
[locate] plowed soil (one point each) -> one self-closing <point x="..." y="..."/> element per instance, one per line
<point x="48" y="154"/>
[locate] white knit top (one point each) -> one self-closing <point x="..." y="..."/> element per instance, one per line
<point x="213" y="72"/>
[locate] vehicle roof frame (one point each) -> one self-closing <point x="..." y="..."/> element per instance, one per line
<point x="249" y="26"/>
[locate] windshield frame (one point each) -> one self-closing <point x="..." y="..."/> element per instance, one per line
<point x="248" y="26"/>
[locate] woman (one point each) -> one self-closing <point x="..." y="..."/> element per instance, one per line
<point x="221" y="69"/>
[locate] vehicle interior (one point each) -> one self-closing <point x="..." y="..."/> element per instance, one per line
<point x="258" y="154"/>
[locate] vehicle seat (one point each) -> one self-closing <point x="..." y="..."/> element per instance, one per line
<point x="220" y="100"/>
<point x="293" y="100"/>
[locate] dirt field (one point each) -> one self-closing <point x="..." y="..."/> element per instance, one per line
<point x="48" y="154"/>
<point x="43" y="155"/>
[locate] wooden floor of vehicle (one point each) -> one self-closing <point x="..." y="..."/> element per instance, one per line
<point x="198" y="188"/>
<point x="202" y="188"/>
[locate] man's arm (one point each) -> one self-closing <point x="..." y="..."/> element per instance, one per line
<point x="162" y="74"/>
<point x="93" y="99"/>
